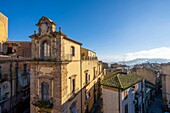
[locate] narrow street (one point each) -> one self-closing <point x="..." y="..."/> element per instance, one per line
<point x="156" y="106"/>
<point x="98" y="106"/>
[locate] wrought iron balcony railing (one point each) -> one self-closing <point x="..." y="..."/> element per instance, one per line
<point x="3" y="98"/>
<point x="43" y="103"/>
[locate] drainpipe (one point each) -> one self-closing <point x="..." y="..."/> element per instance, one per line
<point x="143" y="90"/>
<point x="10" y="67"/>
<point x="16" y="70"/>
<point x="81" y="80"/>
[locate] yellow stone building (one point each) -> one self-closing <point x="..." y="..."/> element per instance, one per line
<point x="3" y="30"/>
<point x="65" y="78"/>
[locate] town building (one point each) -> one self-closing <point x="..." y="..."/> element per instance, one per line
<point x="17" y="48"/>
<point x="105" y="68"/>
<point x="3" y="30"/>
<point x="14" y="84"/>
<point x="123" y="93"/>
<point x="151" y="74"/>
<point x="149" y="95"/>
<point x="165" y="71"/>
<point x="14" y="73"/>
<point x="65" y="78"/>
<point x="105" y="65"/>
<point x="116" y="67"/>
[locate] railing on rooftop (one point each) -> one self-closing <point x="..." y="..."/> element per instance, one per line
<point x="88" y="58"/>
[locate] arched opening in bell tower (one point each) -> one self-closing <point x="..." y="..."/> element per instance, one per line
<point x="45" y="50"/>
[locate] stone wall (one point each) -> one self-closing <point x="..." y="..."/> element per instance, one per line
<point x="3" y="28"/>
<point x="165" y="85"/>
<point x="148" y="74"/>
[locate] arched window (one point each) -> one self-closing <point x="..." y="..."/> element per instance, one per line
<point x="44" y="91"/>
<point x="45" y="49"/>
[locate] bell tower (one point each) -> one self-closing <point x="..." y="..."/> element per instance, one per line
<point x="47" y="44"/>
<point x="48" y="69"/>
<point x="46" y="26"/>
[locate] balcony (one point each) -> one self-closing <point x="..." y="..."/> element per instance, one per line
<point x="86" y="83"/>
<point x="67" y="57"/>
<point x="73" y="94"/>
<point x="43" y="105"/>
<point x="4" y="97"/>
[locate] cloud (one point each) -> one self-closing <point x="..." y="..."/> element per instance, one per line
<point x="162" y="52"/>
<point x="109" y="58"/>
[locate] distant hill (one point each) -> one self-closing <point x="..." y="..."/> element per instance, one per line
<point x="144" y="60"/>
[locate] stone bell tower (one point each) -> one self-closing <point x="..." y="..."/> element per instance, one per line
<point x="48" y="68"/>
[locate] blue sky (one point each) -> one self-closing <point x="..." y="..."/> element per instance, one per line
<point x="112" y="28"/>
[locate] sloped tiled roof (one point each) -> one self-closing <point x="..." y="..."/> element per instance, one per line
<point x="121" y="81"/>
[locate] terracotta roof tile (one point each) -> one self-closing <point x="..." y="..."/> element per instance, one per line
<point x="121" y="81"/>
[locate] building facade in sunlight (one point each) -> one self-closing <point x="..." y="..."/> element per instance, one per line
<point x="3" y="30"/>
<point x="14" y="73"/>
<point x="65" y="78"/>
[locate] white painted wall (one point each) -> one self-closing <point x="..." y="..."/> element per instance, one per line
<point x="129" y="101"/>
<point x="111" y="104"/>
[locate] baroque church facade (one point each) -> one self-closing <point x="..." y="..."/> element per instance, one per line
<point x="65" y="77"/>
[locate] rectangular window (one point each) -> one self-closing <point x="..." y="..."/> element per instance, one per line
<point x="126" y="108"/>
<point x="86" y="75"/>
<point x="72" y="51"/>
<point x="94" y="72"/>
<point x="73" y="85"/>
<point x="25" y="68"/>
<point x="44" y="91"/>
<point x="87" y="95"/>
<point x="46" y="49"/>
<point x="89" y="78"/>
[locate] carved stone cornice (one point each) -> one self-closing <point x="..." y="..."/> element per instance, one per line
<point x="46" y="77"/>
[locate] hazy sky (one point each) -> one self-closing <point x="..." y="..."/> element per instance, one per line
<point x="114" y="29"/>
